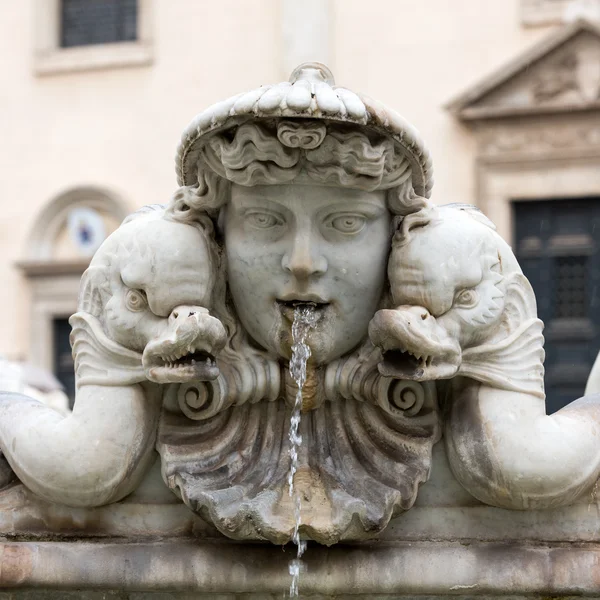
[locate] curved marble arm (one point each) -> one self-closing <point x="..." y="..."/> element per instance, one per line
<point x="94" y="456"/>
<point x="507" y="452"/>
<point x="466" y="313"/>
<point x="593" y="382"/>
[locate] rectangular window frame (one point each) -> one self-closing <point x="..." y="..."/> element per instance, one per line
<point x="80" y="22"/>
<point x="50" y="58"/>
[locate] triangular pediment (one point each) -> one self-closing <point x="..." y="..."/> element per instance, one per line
<point x="559" y="74"/>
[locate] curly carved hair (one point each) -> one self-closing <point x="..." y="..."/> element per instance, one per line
<point x="281" y="151"/>
<point x="301" y="150"/>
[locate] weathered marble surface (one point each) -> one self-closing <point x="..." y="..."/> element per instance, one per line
<point x="447" y="544"/>
<point x="289" y="196"/>
<point x="466" y="313"/>
<point x="303" y="195"/>
<point x="404" y="568"/>
<point x="443" y="510"/>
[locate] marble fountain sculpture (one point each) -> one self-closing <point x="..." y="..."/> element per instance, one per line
<point x="304" y="198"/>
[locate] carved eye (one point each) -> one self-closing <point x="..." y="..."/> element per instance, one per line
<point x="466" y="299"/>
<point x="348" y="223"/>
<point x="136" y="300"/>
<point x="263" y="220"/>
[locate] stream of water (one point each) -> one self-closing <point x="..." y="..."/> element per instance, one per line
<point x="304" y="320"/>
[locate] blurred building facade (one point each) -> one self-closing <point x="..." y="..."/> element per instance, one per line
<point x="97" y="92"/>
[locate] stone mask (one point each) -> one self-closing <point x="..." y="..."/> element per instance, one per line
<point x="293" y="244"/>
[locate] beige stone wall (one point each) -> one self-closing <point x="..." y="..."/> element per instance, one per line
<point x="117" y="128"/>
<point x="418" y="56"/>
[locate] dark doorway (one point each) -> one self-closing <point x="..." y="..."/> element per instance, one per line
<point x="557" y="244"/>
<point x="64" y="368"/>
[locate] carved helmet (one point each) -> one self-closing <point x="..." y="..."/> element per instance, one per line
<point x="310" y="94"/>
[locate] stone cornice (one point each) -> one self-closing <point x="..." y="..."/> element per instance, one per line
<point x="404" y="569"/>
<point x="41" y="268"/>
<point x="547" y="72"/>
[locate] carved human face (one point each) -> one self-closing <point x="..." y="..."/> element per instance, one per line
<point x="290" y="244"/>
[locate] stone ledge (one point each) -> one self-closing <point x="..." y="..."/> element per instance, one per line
<point x="23" y="516"/>
<point x="90" y="58"/>
<point x="422" y="569"/>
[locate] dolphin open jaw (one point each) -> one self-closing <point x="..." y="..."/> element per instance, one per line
<point x="414" y="346"/>
<point x="187" y="350"/>
<point x="405" y="363"/>
<point x="180" y="365"/>
<point x="402" y="363"/>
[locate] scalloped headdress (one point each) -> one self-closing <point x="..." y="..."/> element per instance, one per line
<point x="311" y="93"/>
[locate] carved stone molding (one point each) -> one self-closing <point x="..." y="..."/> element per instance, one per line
<point x="50" y="59"/>
<point x="559" y="75"/>
<point x="553" y="12"/>
<point x="539" y="140"/>
<point x="537" y="123"/>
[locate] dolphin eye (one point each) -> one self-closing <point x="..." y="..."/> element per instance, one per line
<point x="466" y="299"/>
<point x="136" y="300"/>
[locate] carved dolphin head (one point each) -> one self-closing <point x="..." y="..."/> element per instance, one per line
<point x="150" y="287"/>
<point x="448" y="271"/>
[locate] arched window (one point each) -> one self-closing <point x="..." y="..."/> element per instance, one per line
<point x="59" y="247"/>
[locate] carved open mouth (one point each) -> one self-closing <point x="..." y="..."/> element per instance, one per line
<point x="189" y="359"/>
<point x="287" y="307"/>
<point x="404" y="364"/>
<point x="184" y="365"/>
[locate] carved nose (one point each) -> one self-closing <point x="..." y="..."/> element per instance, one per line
<point x="418" y="313"/>
<point x="303" y="260"/>
<point x="181" y="313"/>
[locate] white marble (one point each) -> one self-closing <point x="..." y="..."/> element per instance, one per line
<point x="593" y="382"/>
<point x="467" y="313"/>
<point x="304" y="193"/>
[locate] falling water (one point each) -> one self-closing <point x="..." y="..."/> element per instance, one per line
<point x="304" y="320"/>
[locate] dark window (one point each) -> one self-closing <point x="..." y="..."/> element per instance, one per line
<point x="64" y="368"/>
<point x="85" y="22"/>
<point x="558" y="247"/>
<point x="571" y="287"/>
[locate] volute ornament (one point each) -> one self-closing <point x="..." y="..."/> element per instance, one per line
<point x="304" y="195"/>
